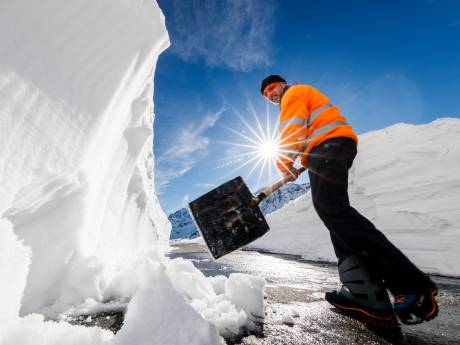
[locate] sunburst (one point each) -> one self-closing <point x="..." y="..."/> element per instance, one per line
<point x="268" y="149"/>
<point x="261" y="145"/>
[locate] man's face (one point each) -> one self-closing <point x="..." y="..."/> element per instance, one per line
<point x="274" y="91"/>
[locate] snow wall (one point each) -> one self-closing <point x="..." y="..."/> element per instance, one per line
<point x="80" y="224"/>
<point x="76" y="137"/>
<point x="405" y="179"/>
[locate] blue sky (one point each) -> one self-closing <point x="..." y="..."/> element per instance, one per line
<point x="380" y="62"/>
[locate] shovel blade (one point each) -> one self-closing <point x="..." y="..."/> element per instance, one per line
<point x="227" y="219"/>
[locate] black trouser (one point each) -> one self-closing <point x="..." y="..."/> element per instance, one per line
<point x="352" y="233"/>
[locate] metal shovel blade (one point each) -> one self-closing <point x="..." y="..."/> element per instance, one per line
<point x="227" y="219"/>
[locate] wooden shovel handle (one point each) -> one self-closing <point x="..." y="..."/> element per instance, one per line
<point x="269" y="190"/>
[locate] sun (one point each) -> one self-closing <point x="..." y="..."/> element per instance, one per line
<point x="268" y="148"/>
<point x="256" y="146"/>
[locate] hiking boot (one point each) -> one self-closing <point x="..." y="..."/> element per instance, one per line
<point x="363" y="296"/>
<point x="414" y="309"/>
<point x="350" y="307"/>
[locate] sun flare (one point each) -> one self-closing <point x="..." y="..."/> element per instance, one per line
<point x="256" y="146"/>
<point x="268" y="149"/>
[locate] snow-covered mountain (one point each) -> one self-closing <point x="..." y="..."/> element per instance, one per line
<point x="183" y="226"/>
<point x="282" y="196"/>
<point x="405" y="179"/>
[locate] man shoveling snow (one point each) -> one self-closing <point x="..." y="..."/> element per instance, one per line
<point x="369" y="264"/>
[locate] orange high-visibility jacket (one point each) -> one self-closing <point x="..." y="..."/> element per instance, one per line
<point x="306" y="120"/>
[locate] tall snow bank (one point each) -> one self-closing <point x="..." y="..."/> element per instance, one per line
<point x="76" y="158"/>
<point x="405" y="179"/>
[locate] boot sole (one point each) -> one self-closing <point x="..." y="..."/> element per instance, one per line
<point x="357" y="311"/>
<point x="364" y="316"/>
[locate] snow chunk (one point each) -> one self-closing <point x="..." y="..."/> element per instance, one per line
<point x="229" y="303"/>
<point x="288" y="320"/>
<point x="295" y="313"/>
<point x="158" y="314"/>
<point x="246" y="292"/>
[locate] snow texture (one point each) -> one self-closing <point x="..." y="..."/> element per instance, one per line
<point x="76" y="138"/>
<point x="405" y="179"/>
<point x="81" y="229"/>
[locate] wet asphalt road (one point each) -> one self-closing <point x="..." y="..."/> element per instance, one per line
<point x="295" y="290"/>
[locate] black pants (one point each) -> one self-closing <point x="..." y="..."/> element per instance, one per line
<point x="352" y="233"/>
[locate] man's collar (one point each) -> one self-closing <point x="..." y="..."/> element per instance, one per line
<point x="284" y="91"/>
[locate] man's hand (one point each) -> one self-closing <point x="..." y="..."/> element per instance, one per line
<point x="292" y="174"/>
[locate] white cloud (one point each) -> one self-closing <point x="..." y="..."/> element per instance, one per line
<point x="236" y="34"/>
<point x="189" y="146"/>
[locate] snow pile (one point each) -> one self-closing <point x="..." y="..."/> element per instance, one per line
<point x="229" y="303"/>
<point x="80" y="225"/>
<point x="405" y="179"/>
<point x="158" y="314"/>
<point x="172" y="303"/>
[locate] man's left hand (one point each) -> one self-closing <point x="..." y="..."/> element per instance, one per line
<point x="292" y="174"/>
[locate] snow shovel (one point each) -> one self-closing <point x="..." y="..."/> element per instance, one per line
<point x="229" y="217"/>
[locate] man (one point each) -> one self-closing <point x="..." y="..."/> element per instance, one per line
<point x="369" y="264"/>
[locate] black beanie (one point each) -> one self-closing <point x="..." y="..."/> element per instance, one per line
<point x="270" y="79"/>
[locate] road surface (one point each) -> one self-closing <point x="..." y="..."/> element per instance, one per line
<point x="297" y="287"/>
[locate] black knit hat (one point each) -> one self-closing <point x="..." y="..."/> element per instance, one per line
<point x="270" y="79"/>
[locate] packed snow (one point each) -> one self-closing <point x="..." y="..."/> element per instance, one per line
<point x="81" y="229"/>
<point x="405" y="179"/>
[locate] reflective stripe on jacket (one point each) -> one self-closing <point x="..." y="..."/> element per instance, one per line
<point x="306" y="120"/>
